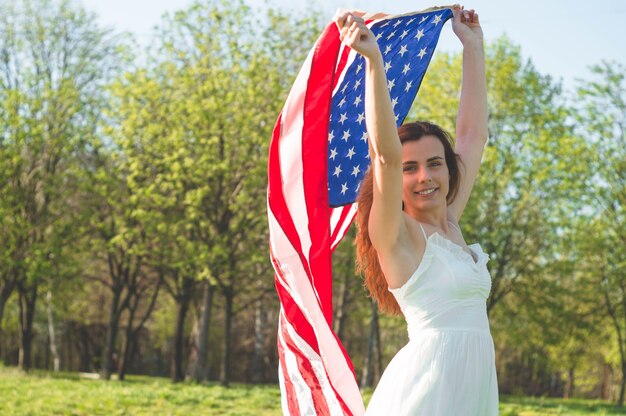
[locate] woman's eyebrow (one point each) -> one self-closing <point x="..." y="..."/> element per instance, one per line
<point x="413" y="162"/>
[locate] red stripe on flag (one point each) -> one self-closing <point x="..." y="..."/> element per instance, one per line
<point x="308" y="373"/>
<point x="278" y="206"/>
<point x="296" y="318"/>
<point x="317" y="105"/>
<point x="276" y="199"/>
<point x="345" y="215"/>
<point x="290" y="393"/>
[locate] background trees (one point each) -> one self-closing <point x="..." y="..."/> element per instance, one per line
<point x="55" y="64"/>
<point x="132" y="203"/>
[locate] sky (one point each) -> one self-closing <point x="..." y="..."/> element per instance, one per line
<point x="562" y="38"/>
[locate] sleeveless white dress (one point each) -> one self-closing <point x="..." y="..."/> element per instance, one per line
<point x="448" y="366"/>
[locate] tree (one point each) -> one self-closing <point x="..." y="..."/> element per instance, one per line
<point x="603" y="121"/>
<point x="206" y="105"/>
<point x="55" y="60"/>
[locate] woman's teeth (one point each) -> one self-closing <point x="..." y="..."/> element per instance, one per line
<point x="427" y="191"/>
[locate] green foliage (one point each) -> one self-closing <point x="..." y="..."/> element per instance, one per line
<point x="602" y="119"/>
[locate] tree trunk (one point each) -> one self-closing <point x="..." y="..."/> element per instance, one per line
<point x="620" y="341"/>
<point x="182" y="301"/>
<point x="27" y="300"/>
<point x="111" y="335"/>
<point x="5" y="292"/>
<point x="342" y="303"/>
<point x="198" y="370"/>
<point x="258" y="359"/>
<point x="132" y="332"/>
<point x="367" y="380"/>
<point x="51" y="333"/>
<point x="569" y="386"/>
<point x="622" y="386"/>
<point x="606" y="382"/>
<point x="229" y="295"/>
<point x="85" y="364"/>
<point x="128" y="346"/>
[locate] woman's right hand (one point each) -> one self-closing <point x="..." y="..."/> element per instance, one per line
<point x="355" y="34"/>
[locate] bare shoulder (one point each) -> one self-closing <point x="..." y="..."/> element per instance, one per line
<point x="400" y="262"/>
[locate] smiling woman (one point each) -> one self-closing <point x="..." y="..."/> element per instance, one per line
<point x="409" y="244"/>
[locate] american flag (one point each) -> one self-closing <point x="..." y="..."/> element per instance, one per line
<point x="318" y="156"/>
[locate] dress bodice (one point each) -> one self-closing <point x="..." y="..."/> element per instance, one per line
<point x="448" y="365"/>
<point x="448" y="290"/>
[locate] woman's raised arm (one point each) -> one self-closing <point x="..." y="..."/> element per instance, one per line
<point x="471" y="121"/>
<point x="386" y="222"/>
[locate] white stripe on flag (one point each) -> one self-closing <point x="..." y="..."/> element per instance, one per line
<point x="297" y="283"/>
<point x="290" y="154"/>
<point x="301" y="388"/>
<point x="343" y="226"/>
<point x="283" y="391"/>
<point x="320" y="372"/>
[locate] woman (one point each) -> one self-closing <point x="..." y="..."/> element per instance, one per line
<point x="410" y="245"/>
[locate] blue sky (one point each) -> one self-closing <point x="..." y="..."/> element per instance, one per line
<point x="561" y="37"/>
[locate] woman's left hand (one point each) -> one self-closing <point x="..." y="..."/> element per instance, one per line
<point x="466" y="25"/>
<point x="355" y="34"/>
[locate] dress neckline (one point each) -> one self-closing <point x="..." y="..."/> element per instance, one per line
<point x="456" y="248"/>
<point x="451" y="247"/>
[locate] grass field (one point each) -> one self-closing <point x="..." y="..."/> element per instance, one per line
<point x="42" y="393"/>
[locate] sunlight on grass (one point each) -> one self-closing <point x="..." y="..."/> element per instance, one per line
<point x="41" y="393"/>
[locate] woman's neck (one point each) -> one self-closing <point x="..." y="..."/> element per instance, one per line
<point x="436" y="218"/>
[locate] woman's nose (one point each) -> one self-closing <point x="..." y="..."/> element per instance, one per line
<point x="424" y="175"/>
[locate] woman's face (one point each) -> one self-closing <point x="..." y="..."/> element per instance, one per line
<point x="425" y="177"/>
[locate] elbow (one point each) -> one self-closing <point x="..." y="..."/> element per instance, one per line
<point x="387" y="160"/>
<point x="388" y="155"/>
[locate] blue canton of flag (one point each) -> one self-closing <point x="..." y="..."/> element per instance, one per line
<point x="407" y="44"/>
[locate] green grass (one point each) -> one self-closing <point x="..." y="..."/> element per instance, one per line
<point x="68" y="394"/>
<point x="41" y="393"/>
<point x="540" y="406"/>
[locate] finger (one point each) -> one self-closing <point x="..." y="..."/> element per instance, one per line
<point x="475" y="19"/>
<point x="355" y="26"/>
<point x="358" y="14"/>
<point x="350" y="34"/>
<point x="456" y="13"/>
<point x="343" y="33"/>
<point x="358" y="35"/>
<point x="340" y="18"/>
<point x="357" y="19"/>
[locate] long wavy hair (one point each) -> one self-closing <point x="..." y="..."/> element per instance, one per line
<point x="366" y="256"/>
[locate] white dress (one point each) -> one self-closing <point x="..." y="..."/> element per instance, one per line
<point x="448" y="366"/>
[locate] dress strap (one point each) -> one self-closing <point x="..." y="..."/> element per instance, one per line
<point x="423" y="232"/>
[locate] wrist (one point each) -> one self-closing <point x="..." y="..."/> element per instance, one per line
<point x="375" y="58"/>
<point x="473" y="44"/>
